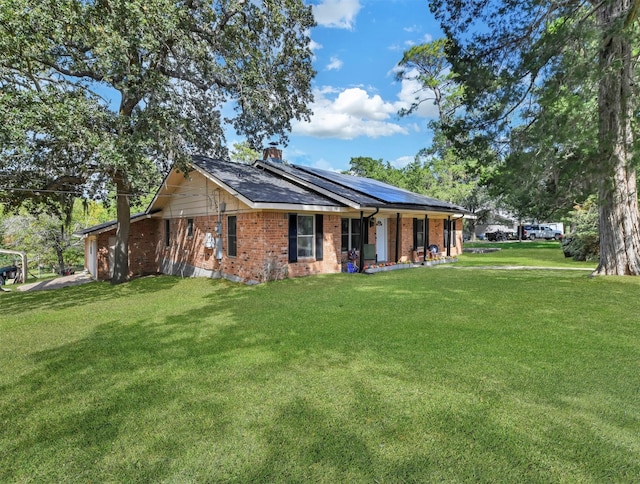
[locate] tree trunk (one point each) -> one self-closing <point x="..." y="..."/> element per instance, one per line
<point x="58" y="237"/>
<point x="617" y="196"/>
<point x="121" y="255"/>
<point x="60" y="257"/>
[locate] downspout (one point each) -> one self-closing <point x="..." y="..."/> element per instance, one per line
<point x="397" y="234"/>
<point x="364" y="227"/>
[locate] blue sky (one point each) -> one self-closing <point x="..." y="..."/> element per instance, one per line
<point x="357" y="45"/>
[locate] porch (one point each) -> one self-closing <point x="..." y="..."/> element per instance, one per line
<point x="393" y="266"/>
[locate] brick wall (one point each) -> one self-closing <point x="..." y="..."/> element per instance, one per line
<point x="262" y="246"/>
<point x="142" y="249"/>
<point x="406" y="239"/>
<point x="436" y="236"/>
<point x="262" y="250"/>
<point x="184" y="249"/>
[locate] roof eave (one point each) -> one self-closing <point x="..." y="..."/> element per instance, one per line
<point x="297" y="207"/>
<point x="107" y="226"/>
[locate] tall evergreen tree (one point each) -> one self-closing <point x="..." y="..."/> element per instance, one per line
<point x="439" y="170"/>
<point x="503" y="50"/>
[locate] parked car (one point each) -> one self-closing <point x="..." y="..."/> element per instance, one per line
<point x="7" y="272"/>
<point x="535" y="231"/>
<point x="556" y="234"/>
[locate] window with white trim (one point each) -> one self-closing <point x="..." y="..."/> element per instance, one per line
<point x="305" y="236"/>
<point x="351" y="234"/>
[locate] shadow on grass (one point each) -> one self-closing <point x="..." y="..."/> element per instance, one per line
<point x="244" y="388"/>
<point x="66" y="297"/>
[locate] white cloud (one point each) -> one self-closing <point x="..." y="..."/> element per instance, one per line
<point x="314" y="46"/>
<point x="323" y="164"/>
<point x="335" y="64"/>
<point x="339" y="14"/>
<point x="402" y="161"/>
<point x="410" y="90"/>
<point x="350" y="114"/>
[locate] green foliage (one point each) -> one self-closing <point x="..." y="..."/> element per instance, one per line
<point x="439" y="171"/>
<point x="244" y="153"/>
<point x="547" y="167"/>
<point x="550" y="86"/>
<point x="49" y="147"/>
<point x="583" y="243"/>
<point x="48" y="239"/>
<point x="171" y="68"/>
<point x="44" y="238"/>
<point x="378" y="170"/>
<point x="427" y="65"/>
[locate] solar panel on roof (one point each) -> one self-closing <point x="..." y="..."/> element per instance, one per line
<point x="377" y="189"/>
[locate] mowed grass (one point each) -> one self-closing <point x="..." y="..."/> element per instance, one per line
<point x="436" y="374"/>
<point x="525" y="253"/>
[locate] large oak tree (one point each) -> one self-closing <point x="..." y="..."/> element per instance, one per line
<point x="173" y="73"/>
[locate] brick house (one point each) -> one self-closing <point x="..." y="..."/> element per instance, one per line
<point x="270" y="220"/>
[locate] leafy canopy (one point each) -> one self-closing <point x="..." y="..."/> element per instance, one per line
<point x="173" y="76"/>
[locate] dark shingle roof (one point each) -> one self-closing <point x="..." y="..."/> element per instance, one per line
<point x="261" y="186"/>
<point x="280" y="183"/>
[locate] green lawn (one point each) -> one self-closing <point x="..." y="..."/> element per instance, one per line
<point x="434" y="374"/>
<point x="527" y="253"/>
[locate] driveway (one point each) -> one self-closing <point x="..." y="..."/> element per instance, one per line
<point x="57" y="283"/>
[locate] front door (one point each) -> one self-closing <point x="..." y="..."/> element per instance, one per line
<point x="381" y="239"/>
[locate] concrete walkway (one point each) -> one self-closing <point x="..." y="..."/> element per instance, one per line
<point x="57" y="283"/>
<point x="520" y="268"/>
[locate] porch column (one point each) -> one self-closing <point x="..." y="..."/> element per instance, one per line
<point x="448" y="229"/>
<point x="426" y="234"/>
<point x="362" y="230"/>
<point x="397" y="235"/>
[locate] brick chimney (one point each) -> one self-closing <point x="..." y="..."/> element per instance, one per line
<point x="272" y="153"/>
